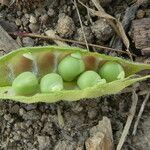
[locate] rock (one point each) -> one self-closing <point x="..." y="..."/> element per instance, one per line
<point x="147" y="12"/>
<point x="31" y="115"/>
<point x="15" y="109"/>
<point x="88" y="34"/>
<point x="100" y="136"/>
<point x="65" y="26"/>
<point x="27" y="16"/>
<point x="140" y="33"/>
<point x="33" y="19"/>
<point x="7" y="26"/>
<point x="44" y="18"/>
<point x="18" y="22"/>
<point x="22" y="112"/>
<point x="51" y="12"/>
<point x="92" y="113"/>
<point x="19" y="13"/>
<point x="7" y="117"/>
<point x="44" y="142"/>
<point x="64" y="145"/>
<point x="102" y="30"/>
<point x="30" y="106"/>
<point x="27" y="41"/>
<point x="140" y="14"/>
<point x="33" y="27"/>
<point x="146" y="51"/>
<point x="25" y="21"/>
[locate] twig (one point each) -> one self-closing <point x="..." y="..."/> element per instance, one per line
<point x="60" y="117"/>
<point x="75" y="4"/>
<point x="117" y="26"/>
<point x="140" y="113"/>
<point x="67" y="40"/>
<point x="129" y="120"/>
<point x="127" y="18"/>
<point x="51" y="34"/>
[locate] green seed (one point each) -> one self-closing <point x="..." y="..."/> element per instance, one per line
<point x="89" y="79"/>
<point x="112" y="71"/>
<point x="71" y="66"/>
<point x="51" y="82"/>
<point x="25" y="83"/>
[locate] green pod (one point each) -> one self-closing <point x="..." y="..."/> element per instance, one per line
<point x="51" y="83"/>
<point x="32" y="59"/>
<point x="89" y="79"/>
<point x="25" y="83"/>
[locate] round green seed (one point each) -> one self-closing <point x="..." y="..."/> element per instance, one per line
<point x="71" y="66"/>
<point x="51" y="82"/>
<point x="25" y="83"/>
<point x="89" y="79"/>
<point x="112" y="71"/>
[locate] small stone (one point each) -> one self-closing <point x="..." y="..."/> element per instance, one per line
<point x="31" y="115"/>
<point x="7" y="117"/>
<point x="32" y="19"/>
<point x="33" y="27"/>
<point x="92" y="113"/>
<point x="65" y="145"/>
<point x="102" y="30"/>
<point x="44" y="142"/>
<point x="147" y="12"/>
<point x="44" y="18"/>
<point x="76" y="107"/>
<point x="51" y="12"/>
<point x="65" y="26"/>
<point x="15" y="109"/>
<point x="24" y="10"/>
<point x="39" y="11"/>
<point x="22" y="112"/>
<point x="18" y="22"/>
<point x="30" y="106"/>
<point x="88" y="34"/>
<point x="25" y="21"/>
<point x="146" y="51"/>
<point x="16" y="137"/>
<point x="8" y="26"/>
<point x="19" y="13"/>
<point x="27" y="41"/>
<point x="140" y="14"/>
<point x="27" y="16"/>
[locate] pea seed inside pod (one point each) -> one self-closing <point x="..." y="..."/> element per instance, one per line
<point x="71" y="66"/>
<point x="25" y="83"/>
<point x="51" y="82"/>
<point x="89" y="79"/>
<point x="112" y="71"/>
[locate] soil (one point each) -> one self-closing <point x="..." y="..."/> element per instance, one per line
<point x="38" y="126"/>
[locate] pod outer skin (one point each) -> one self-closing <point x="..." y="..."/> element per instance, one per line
<point x="69" y="95"/>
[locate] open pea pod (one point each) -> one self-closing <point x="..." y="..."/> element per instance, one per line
<point x="44" y="60"/>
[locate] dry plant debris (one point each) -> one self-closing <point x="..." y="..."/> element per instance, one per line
<point x="112" y="21"/>
<point x="100" y="136"/>
<point x="129" y="120"/>
<point x="141" y="112"/>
